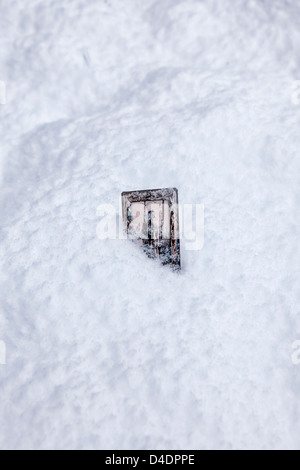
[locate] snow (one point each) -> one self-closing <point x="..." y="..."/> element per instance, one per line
<point x="104" y="347"/>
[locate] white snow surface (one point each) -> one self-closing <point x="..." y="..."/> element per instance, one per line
<point x="105" y="348"/>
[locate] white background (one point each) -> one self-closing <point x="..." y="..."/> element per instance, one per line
<point x="106" y="348"/>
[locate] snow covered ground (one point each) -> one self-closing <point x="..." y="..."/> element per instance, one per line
<point x="104" y="347"/>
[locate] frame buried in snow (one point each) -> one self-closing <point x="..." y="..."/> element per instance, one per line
<point x="151" y="218"/>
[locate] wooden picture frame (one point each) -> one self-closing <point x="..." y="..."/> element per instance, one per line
<point x="151" y="217"/>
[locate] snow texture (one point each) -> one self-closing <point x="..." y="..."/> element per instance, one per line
<point x="106" y="348"/>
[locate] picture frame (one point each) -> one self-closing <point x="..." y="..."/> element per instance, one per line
<point x="151" y="218"/>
